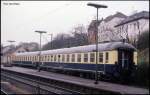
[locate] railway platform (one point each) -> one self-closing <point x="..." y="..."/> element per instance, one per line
<point x="87" y="83"/>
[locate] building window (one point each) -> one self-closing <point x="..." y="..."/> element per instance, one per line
<point x="79" y="57"/>
<point x="100" y="57"/>
<point x="107" y="57"/>
<point x="92" y="57"/>
<point x="85" y="57"/>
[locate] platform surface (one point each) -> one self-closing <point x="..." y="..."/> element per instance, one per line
<point x="122" y="89"/>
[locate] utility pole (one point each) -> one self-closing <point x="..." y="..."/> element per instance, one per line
<point x="97" y="6"/>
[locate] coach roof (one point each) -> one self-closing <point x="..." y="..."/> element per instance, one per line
<point x="88" y="48"/>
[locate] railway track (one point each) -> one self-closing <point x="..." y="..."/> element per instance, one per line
<point x="41" y="87"/>
<point x="62" y="84"/>
<point x="3" y="92"/>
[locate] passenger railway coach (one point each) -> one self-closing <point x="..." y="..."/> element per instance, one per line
<point x="113" y="58"/>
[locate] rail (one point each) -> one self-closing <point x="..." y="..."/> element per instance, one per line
<point x="68" y="83"/>
<point x="42" y="85"/>
<point x="3" y="92"/>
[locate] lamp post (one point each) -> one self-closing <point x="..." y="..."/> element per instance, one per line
<point x="40" y="32"/>
<point x="51" y="39"/>
<point x="97" y="6"/>
<point x="10" y="41"/>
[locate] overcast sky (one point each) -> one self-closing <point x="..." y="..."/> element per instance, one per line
<point x="19" y="19"/>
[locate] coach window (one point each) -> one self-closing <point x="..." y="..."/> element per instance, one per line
<point x="32" y="58"/>
<point x="73" y="58"/>
<point x="107" y="57"/>
<point x="51" y="58"/>
<point x="26" y="58"/>
<point x="85" y="57"/>
<point x="79" y="57"/>
<point x="59" y="57"/>
<point x="41" y="58"/>
<point x="92" y="57"/>
<point x="45" y="58"/>
<point x="55" y="58"/>
<point x="101" y="57"/>
<point x="63" y="58"/>
<point x="29" y="58"/>
<point x="67" y="57"/>
<point x="36" y="58"/>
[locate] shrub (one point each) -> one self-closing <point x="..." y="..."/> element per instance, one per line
<point x="142" y="74"/>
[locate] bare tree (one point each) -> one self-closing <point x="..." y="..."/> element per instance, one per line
<point x="80" y="35"/>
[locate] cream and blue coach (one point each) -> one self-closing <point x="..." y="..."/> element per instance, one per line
<point x="112" y="58"/>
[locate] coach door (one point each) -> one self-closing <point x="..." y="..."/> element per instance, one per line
<point x="125" y="58"/>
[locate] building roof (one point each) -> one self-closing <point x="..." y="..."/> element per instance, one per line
<point x="80" y="49"/>
<point x="92" y="25"/>
<point x="134" y="17"/>
<point x="11" y="50"/>
<point x="118" y="14"/>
